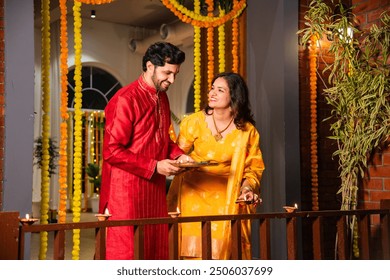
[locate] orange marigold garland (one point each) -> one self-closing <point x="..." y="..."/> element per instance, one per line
<point x="235" y="42"/>
<point x="63" y="155"/>
<point x="95" y="2"/>
<point x="77" y="157"/>
<point x="196" y="19"/>
<point x="45" y="175"/>
<point x="313" y="122"/>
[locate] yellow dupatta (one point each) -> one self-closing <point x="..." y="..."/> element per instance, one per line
<point x="233" y="191"/>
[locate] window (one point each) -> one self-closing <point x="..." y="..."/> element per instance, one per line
<point x="98" y="87"/>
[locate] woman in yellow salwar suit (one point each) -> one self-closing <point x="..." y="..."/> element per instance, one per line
<point x="223" y="133"/>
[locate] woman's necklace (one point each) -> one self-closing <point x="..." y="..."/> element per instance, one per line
<point x="218" y="136"/>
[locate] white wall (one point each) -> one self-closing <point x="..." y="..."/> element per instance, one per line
<point x="18" y="112"/>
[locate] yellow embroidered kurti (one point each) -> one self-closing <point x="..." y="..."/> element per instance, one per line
<point x="212" y="190"/>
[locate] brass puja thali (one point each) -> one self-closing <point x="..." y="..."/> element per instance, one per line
<point x="194" y="164"/>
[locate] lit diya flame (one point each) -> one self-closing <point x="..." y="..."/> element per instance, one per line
<point x="27" y="220"/>
<point x="105" y="216"/>
<point x="174" y="214"/>
<point x="291" y="209"/>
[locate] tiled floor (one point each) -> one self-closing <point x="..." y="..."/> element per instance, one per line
<point x="87" y="241"/>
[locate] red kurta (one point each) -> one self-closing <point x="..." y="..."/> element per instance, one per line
<point x="136" y="137"/>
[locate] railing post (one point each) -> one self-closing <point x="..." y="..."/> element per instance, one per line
<point x="9" y="234"/>
<point x="139" y="242"/>
<point x="59" y="245"/>
<point x="292" y="249"/>
<point x="364" y="230"/>
<point x="174" y="241"/>
<point x="317" y="238"/>
<point x="100" y="243"/>
<point x="206" y="241"/>
<point x="21" y="244"/>
<point x="385" y="228"/>
<point x="236" y="240"/>
<point x="342" y="244"/>
<point x="265" y="239"/>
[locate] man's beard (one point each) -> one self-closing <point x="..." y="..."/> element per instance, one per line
<point x="159" y="85"/>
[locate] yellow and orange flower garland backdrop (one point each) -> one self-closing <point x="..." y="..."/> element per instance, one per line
<point x="196" y="19"/>
<point x="192" y="17"/>
<point x="210" y="22"/>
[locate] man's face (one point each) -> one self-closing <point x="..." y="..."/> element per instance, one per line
<point x="163" y="76"/>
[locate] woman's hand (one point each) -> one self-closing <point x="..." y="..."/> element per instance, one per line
<point x="184" y="158"/>
<point x="248" y="195"/>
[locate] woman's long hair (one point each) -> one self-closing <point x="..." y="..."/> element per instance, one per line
<point x="239" y="96"/>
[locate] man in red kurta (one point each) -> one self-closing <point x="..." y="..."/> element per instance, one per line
<point x="138" y="154"/>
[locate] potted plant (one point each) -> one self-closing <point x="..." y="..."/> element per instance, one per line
<point x="53" y="153"/>
<point x="357" y="89"/>
<point x="93" y="172"/>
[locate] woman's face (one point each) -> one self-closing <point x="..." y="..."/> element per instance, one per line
<point x="219" y="95"/>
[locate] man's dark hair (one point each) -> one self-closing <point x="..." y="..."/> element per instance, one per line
<point x="163" y="52"/>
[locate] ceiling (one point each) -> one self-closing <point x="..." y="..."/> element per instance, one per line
<point x="138" y="13"/>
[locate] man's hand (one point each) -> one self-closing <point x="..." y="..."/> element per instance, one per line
<point x="165" y="167"/>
